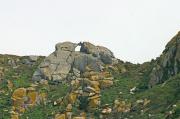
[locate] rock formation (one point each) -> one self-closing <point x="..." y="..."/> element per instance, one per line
<point x="90" y="84"/>
<point x="168" y="64"/>
<point x="84" y="70"/>
<point x="24" y="98"/>
<point x="65" y="61"/>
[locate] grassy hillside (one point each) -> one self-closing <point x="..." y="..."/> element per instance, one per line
<point x="140" y="91"/>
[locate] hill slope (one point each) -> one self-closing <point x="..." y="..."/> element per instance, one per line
<point x="90" y="84"/>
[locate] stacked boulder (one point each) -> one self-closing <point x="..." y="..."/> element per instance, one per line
<point x="85" y="71"/>
<point x="24" y="98"/>
<point x="85" y="93"/>
<point x="66" y="61"/>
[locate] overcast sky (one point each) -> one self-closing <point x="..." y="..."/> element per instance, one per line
<point x="135" y="30"/>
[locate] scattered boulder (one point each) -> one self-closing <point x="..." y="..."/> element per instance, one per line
<point x="60" y="116"/>
<point x="79" y="117"/>
<point x="9" y="85"/>
<point x="144" y="102"/>
<point x="82" y="116"/>
<point x="122" y="106"/>
<point x="72" y="97"/>
<point x="106" y="111"/>
<point x="33" y="58"/>
<point x="19" y="93"/>
<point x="69" y="111"/>
<point x="24" y="98"/>
<point x="1" y="73"/>
<point x="15" y="116"/>
<point x="94" y="101"/>
<point x="12" y="63"/>
<point x="106" y="83"/>
<point x="19" y="99"/>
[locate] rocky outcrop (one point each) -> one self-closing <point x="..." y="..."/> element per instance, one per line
<point x="24" y="98"/>
<point x="1" y="73"/>
<point x="85" y="71"/>
<point x="85" y="93"/>
<point x="168" y="64"/>
<point x="66" y="61"/>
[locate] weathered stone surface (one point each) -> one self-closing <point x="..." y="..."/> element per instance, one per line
<point x="85" y="72"/>
<point x="33" y="58"/>
<point x="94" y="84"/>
<point x="106" y="83"/>
<point x="66" y="46"/>
<point x="55" y="67"/>
<point x="106" y="110"/>
<point x="79" y="117"/>
<point x="122" y="106"/>
<point x="95" y="77"/>
<point x="106" y="58"/>
<point x="19" y="93"/>
<point x="76" y="72"/>
<point x="168" y="64"/>
<point x="72" y="97"/>
<point x="65" y="60"/>
<point x="89" y="48"/>
<point x="156" y="76"/>
<point x="94" y="101"/>
<point x="1" y="72"/>
<point x="38" y="75"/>
<point x="24" y="98"/>
<point x="32" y="96"/>
<point x="14" y="116"/>
<point x="10" y="84"/>
<point x="105" y="50"/>
<point x="29" y="61"/>
<point x="12" y="62"/>
<point x="60" y="116"/>
<point x="19" y="98"/>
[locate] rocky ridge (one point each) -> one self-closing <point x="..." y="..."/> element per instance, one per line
<point x="168" y="64"/>
<point x="85" y="72"/>
<point x="88" y="84"/>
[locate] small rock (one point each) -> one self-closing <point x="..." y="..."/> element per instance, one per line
<point x="105" y="83"/>
<point x="60" y="116"/>
<point x="33" y="58"/>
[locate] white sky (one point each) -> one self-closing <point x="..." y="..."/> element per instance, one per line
<point x="135" y="30"/>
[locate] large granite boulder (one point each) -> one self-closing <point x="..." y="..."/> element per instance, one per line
<point x="86" y="72"/>
<point x="98" y="51"/>
<point x="81" y="61"/>
<point x="58" y="65"/>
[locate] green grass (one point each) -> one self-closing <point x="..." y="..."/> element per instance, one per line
<point x="122" y="85"/>
<point x="162" y="96"/>
<point x="20" y="77"/>
<point x="46" y="111"/>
